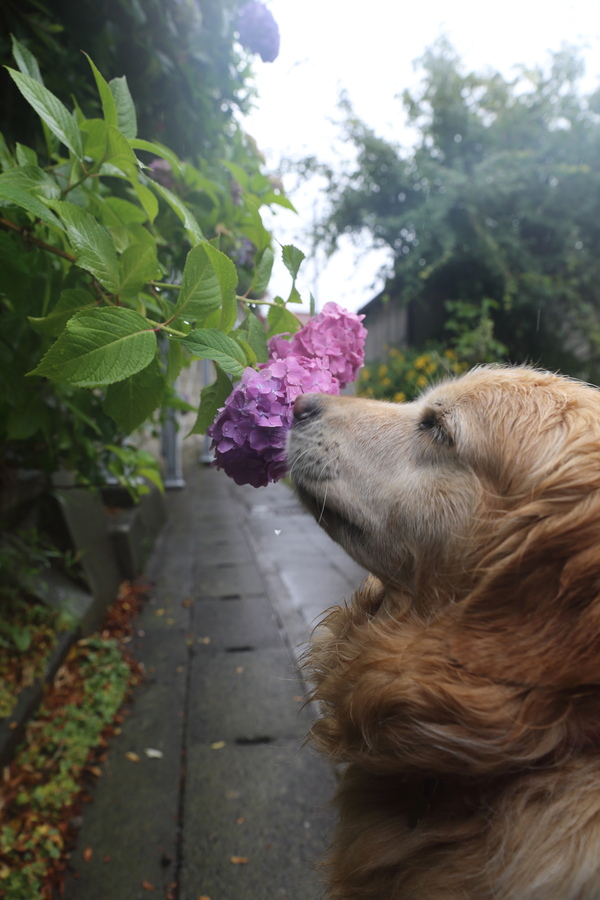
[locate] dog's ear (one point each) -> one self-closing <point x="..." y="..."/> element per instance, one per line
<point x="534" y="616"/>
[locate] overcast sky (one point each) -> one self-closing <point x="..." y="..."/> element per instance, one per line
<point x="368" y="49"/>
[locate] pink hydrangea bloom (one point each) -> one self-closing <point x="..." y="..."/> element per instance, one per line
<point x="249" y="432"/>
<point x="335" y="336"/>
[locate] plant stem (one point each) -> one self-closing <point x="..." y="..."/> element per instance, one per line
<point x="6" y="225"/>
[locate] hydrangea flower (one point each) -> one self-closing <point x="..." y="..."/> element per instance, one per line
<point x="249" y="432"/>
<point x="335" y="336"/>
<point x="258" y="31"/>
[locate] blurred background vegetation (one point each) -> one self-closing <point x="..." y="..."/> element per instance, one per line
<point x="492" y="218"/>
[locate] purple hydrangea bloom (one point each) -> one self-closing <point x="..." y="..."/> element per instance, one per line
<point x="258" y="30"/>
<point x="249" y="432"/>
<point x="335" y="336"/>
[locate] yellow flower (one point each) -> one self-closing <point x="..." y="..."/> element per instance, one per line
<point x="365" y="374"/>
<point x="382" y="371"/>
<point x="421" y="362"/>
<point x="430" y="368"/>
<point x="400" y="397"/>
<point x="421" y="381"/>
<point x="449" y="354"/>
<point x="386" y="381"/>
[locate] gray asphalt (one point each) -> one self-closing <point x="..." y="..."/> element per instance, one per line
<point x="229" y="804"/>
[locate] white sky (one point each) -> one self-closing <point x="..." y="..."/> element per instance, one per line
<point x="368" y="49"/>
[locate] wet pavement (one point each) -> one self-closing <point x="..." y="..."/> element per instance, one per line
<point x="224" y="801"/>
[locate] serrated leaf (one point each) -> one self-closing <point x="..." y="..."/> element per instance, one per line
<point x="25" y="156"/>
<point x="212" y="398"/>
<point x="157" y="150"/>
<point x="282" y="320"/>
<point x="25" y="60"/>
<point x="95" y="140"/>
<point x="132" y="401"/>
<point x="262" y="274"/>
<point x="292" y="259"/>
<point x="116" y="211"/>
<point x="178" y="206"/>
<point x="120" y="153"/>
<point x="92" y="243"/>
<point x="138" y="265"/>
<point x="175" y="360"/>
<point x="146" y="198"/>
<point x="71" y="301"/>
<point x="98" y="347"/>
<point x="33" y="180"/>
<point x="29" y="203"/>
<point x="208" y="284"/>
<point x="210" y="343"/>
<point x="109" y="106"/>
<point x="252" y="330"/>
<point x="126" y="117"/>
<point x="294" y="295"/>
<point x="51" y="111"/>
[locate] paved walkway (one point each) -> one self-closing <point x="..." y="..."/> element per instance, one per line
<point x="233" y="806"/>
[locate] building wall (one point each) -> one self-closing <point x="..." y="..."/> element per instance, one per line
<point x="386" y="324"/>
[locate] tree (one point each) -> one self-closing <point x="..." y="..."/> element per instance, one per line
<point x="498" y="205"/>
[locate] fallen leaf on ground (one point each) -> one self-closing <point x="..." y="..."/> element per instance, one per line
<point x="147" y="886"/>
<point x="132" y="757"/>
<point x="153" y="754"/>
<point x="218" y="745"/>
<point x="238" y="860"/>
<point x="87" y="854"/>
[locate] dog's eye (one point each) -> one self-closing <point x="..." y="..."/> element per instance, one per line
<point x="432" y="424"/>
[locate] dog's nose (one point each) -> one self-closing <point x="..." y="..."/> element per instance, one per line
<point x="306" y="406"/>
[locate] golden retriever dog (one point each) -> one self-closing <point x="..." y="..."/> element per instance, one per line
<point x="461" y="686"/>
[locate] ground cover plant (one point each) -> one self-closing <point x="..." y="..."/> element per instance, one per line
<point x="45" y="785"/>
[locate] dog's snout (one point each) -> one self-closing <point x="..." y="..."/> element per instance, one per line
<point x="306" y="406"/>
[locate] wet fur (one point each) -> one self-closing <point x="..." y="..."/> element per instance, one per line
<point x="461" y="686"/>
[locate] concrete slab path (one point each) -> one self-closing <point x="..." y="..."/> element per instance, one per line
<point x="225" y="802"/>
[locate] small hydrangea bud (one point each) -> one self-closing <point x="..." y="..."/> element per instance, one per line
<point x="258" y="31"/>
<point x="162" y="172"/>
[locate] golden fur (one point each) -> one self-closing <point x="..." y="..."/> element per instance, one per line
<point x="461" y="687"/>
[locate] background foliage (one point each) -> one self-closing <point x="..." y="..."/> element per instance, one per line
<point x="494" y="215"/>
<point x="119" y="262"/>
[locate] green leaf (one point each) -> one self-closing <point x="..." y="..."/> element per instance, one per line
<point x="262" y="274"/>
<point x="109" y="106"/>
<point x="212" y="398"/>
<point x="51" y="111"/>
<point x="178" y="206"/>
<point x="157" y="150"/>
<point x="292" y="259"/>
<point x="92" y="243"/>
<point x="25" y="60"/>
<point x="175" y="360"/>
<point x="282" y="320"/>
<point x="210" y="343"/>
<point x="71" y="301"/>
<point x="146" y="198"/>
<point x="126" y="117"/>
<point x="208" y="283"/>
<point x="25" y="155"/>
<point x="30" y="203"/>
<point x="100" y="346"/>
<point x="138" y="265"/>
<point x="116" y="211"/>
<point x="132" y="401"/>
<point x="294" y="295"/>
<point x="253" y="332"/>
<point x="33" y="180"/>
<point x="120" y="153"/>
<point x="95" y="140"/>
